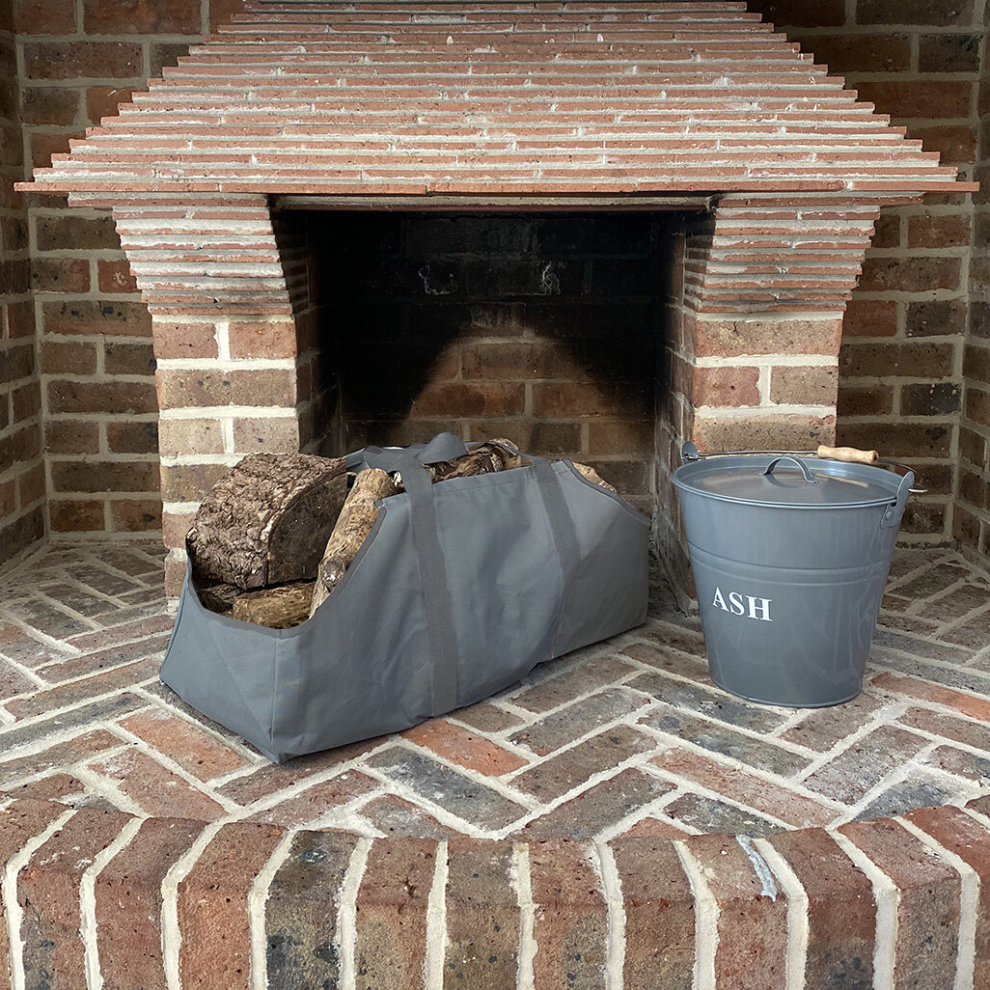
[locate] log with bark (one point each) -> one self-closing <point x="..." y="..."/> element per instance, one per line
<point x="353" y="525"/>
<point x="278" y="608"/>
<point x="267" y="520"/>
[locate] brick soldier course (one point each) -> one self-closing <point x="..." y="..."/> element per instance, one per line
<point x="574" y="824"/>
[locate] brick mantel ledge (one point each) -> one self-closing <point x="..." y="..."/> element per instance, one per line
<point x="161" y="902"/>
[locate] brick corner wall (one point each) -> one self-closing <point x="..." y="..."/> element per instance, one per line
<point x="84" y="361"/>
<point x="972" y="514"/>
<point x="22" y="479"/>
<point x="920" y="305"/>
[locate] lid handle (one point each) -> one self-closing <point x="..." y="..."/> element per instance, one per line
<point x="805" y="472"/>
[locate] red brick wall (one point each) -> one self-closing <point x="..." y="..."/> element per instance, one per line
<point x="901" y="365"/>
<point x="22" y="481"/>
<point x="972" y="518"/>
<point x="94" y="348"/>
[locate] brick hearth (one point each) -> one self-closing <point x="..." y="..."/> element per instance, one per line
<point x="615" y="772"/>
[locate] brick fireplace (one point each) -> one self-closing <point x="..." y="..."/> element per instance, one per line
<point x="598" y="229"/>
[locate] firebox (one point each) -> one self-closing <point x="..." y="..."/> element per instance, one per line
<point x="544" y="328"/>
<point x="601" y="227"/>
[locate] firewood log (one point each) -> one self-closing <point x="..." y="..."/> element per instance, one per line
<point x="219" y="598"/>
<point x="592" y="475"/>
<point x="267" y="520"/>
<point x="484" y="459"/>
<point x="278" y="608"/>
<point x="508" y="453"/>
<point x="353" y="524"/>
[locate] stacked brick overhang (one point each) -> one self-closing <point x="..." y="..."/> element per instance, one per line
<point x="443" y="104"/>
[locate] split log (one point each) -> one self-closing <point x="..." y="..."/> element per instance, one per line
<point x="267" y="520"/>
<point x="219" y="598"/>
<point x="590" y="474"/>
<point x="507" y="451"/>
<point x="278" y="608"/>
<point x="353" y="524"/>
<point x="484" y="459"/>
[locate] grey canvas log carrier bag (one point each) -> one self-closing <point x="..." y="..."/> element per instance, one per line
<point x="459" y="590"/>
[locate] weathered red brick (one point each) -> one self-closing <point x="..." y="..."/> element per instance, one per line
<point x="726" y="386"/>
<point x="44" y="17"/>
<point x="195" y="750"/>
<point x="155" y="788"/>
<point x="464" y="748"/>
<point x="185" y="340"/>
<point x="212" y="905"/>
<point x="306" y="808"/>
<point x="95" y="317"/>
<point x="391" y="913"/>
<point x="76" y="515"/>
<point x="142" y="17"/>
<point x="841" y="910"/>
<point x="745" y="788"/>
<point x="732" y="338"/>
<point x="262" y="339"/>
<point x="570" y="924"/>
<point x="60" y="275"/>
<point x="927" y="903"/>
<point x="82" y="59"/>
<point x="276" y="434"/>
<point x="258" y="387"/>
<point x="48" y="892"/>
<point x="483" y="917"/>
<point x="660" y="914"/>
<point x="20" y="822"/>
<point x="105" y="476"/>
<point x="752" y="921"/>
<point x="971" y="705"/>
<point x="115" y="276"/>
<point x="102" y="101"/>
<point x="129" y="903"/>
<point x="301" y="911"/>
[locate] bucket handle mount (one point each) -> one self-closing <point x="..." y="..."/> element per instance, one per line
<point x="805" y="472"/>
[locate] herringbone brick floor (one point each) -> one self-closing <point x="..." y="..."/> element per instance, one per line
<point x="629" y="736"/>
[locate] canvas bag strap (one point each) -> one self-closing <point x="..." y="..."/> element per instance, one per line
<point x="564" y="535"/>
<point x="409" y="462"/>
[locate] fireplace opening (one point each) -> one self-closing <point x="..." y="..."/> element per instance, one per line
<point x="545" y="328"/>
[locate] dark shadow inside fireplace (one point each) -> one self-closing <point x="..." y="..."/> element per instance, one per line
<point x="544" y="328"/>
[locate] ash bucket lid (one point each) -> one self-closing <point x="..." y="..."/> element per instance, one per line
<point x="785" y="480"/>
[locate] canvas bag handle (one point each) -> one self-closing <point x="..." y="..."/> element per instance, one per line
<point x="410" y="463"/>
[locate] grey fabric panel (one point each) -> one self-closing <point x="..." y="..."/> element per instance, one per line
<point x="219" y="667"/>
<point x="363" y="664"/>
<point x="433" y="581"/>
<point x="505" y="577"/>
<point x="611" y="592"/>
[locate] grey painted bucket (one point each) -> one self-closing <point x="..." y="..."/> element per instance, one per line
<point x="790" y="558"/>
